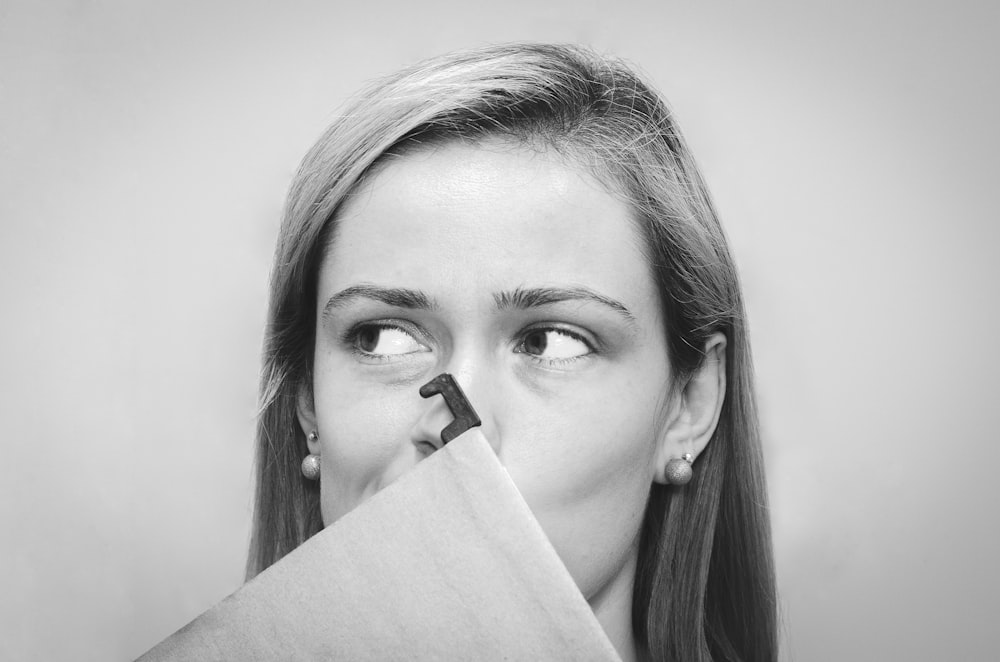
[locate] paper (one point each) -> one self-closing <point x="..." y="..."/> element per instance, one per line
<point x="447" y="563"/>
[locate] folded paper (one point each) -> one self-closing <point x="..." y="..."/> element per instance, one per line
<point x="447" y="563"/>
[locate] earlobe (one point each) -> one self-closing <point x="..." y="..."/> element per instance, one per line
<point x="306" y="411"/>
<point x="695" y="412"/>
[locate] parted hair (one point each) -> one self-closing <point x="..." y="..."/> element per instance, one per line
<point x="704" y="587"/>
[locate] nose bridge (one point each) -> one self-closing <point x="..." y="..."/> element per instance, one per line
<point x="477" y="376"/>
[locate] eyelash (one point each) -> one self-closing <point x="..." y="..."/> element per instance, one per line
<point x="353" y="334"/>
<point x="555" y="362"/>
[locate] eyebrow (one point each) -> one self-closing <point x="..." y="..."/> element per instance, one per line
<point x="516" y="299"/>
<point x="399" y="297"/>
<point x="525" y="298"/>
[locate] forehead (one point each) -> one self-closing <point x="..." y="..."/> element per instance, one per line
<point x="489" y="215"/>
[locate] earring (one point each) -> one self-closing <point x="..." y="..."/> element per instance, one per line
<point x="310" y="463"/>
<point x="310" y="467"/>
<point x="678" y="471"/>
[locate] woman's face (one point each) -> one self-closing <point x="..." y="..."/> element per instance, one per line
<point x="525" y="279"/>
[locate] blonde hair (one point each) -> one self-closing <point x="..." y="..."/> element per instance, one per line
<point x="704" y="586"/>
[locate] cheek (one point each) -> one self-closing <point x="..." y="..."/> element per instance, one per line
<point x="360" y="443"/>
<point x="586" y="477"/>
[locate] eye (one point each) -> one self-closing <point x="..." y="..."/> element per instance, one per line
<point x="385" y="340"/>
<point x="554" y="345"/>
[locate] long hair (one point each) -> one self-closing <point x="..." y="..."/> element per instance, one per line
<point x="704" y="585"/>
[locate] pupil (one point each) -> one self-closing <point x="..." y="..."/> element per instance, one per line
<point x="535" y="343"/>
<point x="368" y="339"/>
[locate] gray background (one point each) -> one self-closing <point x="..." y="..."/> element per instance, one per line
<point x="145" y="149"/>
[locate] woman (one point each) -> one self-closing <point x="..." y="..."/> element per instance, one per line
<point x="527" y="218"/>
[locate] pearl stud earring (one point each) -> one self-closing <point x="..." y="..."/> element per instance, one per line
<point x="678" y="470"/>
<point x="310" y="463"/>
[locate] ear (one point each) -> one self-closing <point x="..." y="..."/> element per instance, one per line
<point x="693" y="413"/>
<point x="306" y="410"/>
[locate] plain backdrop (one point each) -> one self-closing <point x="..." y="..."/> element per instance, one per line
<point x="145" y="150"/>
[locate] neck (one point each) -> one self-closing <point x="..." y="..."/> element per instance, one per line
<point x="612" y="606"/>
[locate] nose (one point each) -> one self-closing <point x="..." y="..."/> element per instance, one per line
<point x="448" y="415"/>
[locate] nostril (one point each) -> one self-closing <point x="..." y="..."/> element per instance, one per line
<point x="426" y="448"/>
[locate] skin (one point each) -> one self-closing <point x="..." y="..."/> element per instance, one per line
<point x="573" y="388"/>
